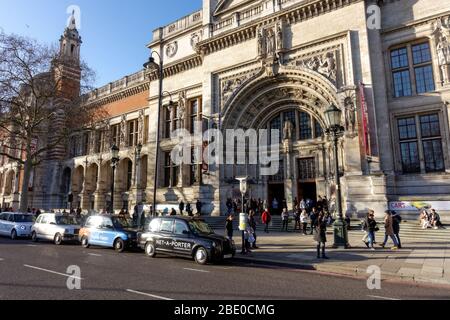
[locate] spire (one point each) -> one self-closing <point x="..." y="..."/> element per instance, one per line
<point x="70" y="41"/>
<point x="73" y="22"/>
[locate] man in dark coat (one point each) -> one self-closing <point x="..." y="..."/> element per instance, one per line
<point x="198" y="206"/>
<point x="181" y="207"/>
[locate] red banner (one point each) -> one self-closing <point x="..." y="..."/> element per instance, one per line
<point x="365" y="120"/>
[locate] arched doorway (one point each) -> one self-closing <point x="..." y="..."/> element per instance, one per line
<point x="295" y="95"/>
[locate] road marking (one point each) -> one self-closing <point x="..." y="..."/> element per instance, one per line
<point x="1" y="259"/>
<point x="149" y="295"/>
<point x="196" y="270"/>
<point x="94" y="254"/>
<point x="54" y="272"/>
<point x="31" y="245"/>
<point x="384" y="298"/>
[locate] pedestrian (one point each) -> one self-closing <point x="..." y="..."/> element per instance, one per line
<point x="389" y="231"/>
<point x="229" y="205"/>
<point x="249" y="238"/>
<point x="275" y="206"/>
<point x="436" y="220"/>
<point x="38" y="213"/>
<point x="266" y="219"/>
<point x="252" y="223"/>
<point x="285" y="220"/>
<point x="229" y="226"/>
<point x="321" y="236"/>
<point x="365" y="229"/>
<point x="198" y="206"/>
<point x="304" y="220"/>
<point x="297" y="213"/>
<point x="313" y="218"/>
<point x="181" y="207"/>
<point x="424" y="220"/>
<point x="173" y="212"/>
<point x="143" y="220"/>
<point x="135" y="215"/>
<point x="189" y="209"/>
<point x="319" y="203"/>
<point x="396" y="221"/>
<point x="302" y="205"/>
<point x="371" y="226"/>
<point x="122" y="214"/>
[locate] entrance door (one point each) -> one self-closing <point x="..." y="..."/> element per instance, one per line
<point x="307" y="188"/>
<point x="276" y="191"/>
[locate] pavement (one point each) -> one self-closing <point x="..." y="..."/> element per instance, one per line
<point x="42" y="271"/>
<point x="424" y="257"/>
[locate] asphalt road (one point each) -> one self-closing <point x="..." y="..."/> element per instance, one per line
<point x="39" y="271"/>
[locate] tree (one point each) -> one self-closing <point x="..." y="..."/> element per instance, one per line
<point x="41" y="103"/>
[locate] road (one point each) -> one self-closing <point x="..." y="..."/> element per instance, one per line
<point x="38" y="271"/>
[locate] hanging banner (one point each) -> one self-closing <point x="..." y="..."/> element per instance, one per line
<point x="365" y="120"/>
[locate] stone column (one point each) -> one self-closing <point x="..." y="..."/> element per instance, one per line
<point x="99" y="195"/>
<point x="288" y="182"/>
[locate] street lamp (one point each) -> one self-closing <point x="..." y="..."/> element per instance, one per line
<point x="114" y="161"/>
<point x="151" y="65"/>
<point x="335" y="130"/>
<point x="243" y="216"/>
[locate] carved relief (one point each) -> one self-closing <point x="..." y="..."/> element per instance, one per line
<point x="270" y="40"/>
<point x="141" y="126"/>
<point x="171" y="49"/>
<point x="324" y="64"/>
<point x="231" y="85"/>
<point x="196" y="38"/>
<point x="442" y="37"/>
<point x="123" y="132"/>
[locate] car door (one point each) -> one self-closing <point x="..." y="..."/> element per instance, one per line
<point x="41" y="232"/>
<point x="164" y="243"/>
<point x="37" y="225"/>
<point x="9" y="224"/>
<point x="3" y="217"/>
<point x="95" y="230"/>
<point x="183" y="242"/>
<point x="108" y="232"/>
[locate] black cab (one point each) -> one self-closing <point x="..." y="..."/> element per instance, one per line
<point x="185" y="236"/>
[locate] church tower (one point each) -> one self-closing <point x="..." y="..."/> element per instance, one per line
<point x="67" y="68"/>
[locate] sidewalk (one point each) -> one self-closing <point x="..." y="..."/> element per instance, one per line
<point x="425" y="256"/>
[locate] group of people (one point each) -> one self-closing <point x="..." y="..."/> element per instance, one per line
<point x="392" y="222"/>
<point x="188" y="208"/>
<point x="430" y="219"/>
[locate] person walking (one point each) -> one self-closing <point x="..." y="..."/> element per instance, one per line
<point x="297" y="215"/>
<point x="321" y="236"/>
<point x="181" y="207"/>
<point x="389" y="230"/>
<point x="371" y="229"/>
<point x="135" y="215"/>
<point x="266" y="219"/>
<point x="198" y="206"/>
<point x="173" y="212"/>
<point x="252" y="223"/>
<point x="313" y="218"/>
<point x="285" y="220"/>
<point x="304" y="220"/>
<point x="189" y="209"/>
<point x="229" y="226"/>
<point x="396" y="221"/>
<point x="436" y="220"/>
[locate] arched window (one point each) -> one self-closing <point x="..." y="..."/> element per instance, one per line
<point x="305" y="126"/>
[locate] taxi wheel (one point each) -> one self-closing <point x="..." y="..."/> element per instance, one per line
<point x="58" y="239"/>
<point x="13" y="235"/>
<point x="85" y="242"/>
<point x="150" y="250"/>
<point x="201" y="256"/>
<point x="119" y="245"/>
<point x="34" y="237"/>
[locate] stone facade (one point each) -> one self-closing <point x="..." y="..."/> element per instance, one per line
<point x="261" y="64"/>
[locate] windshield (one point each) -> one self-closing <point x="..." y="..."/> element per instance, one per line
<point x="200" y="227"/>
<point x="23" y="218"/>
<point x="121" y="223"/>
<point x="65" y="221"/>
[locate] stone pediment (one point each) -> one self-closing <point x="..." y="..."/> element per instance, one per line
<point x="225" y="5"/>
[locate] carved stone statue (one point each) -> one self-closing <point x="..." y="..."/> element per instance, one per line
<point x="123" y="132"/>
<point x="280" y="36"/>
<point x="442" y="35"/>
<point x="270" y="42"/>
<point x="288" y="130"/>
<point x="261" y="42"/>
<point x="141" y="121"/>
<point x="350" y="117"/>
<point x="327" y="66"/>
<point x="107" y="139"/>
<point x="182" y="105"/>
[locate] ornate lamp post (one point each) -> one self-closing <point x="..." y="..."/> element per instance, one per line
<point x="335" y="131"/>
<point x="114" y="161"/>
<point x="151" y="65"/>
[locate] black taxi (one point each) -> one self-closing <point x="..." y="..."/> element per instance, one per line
<point x="187" y="237"/>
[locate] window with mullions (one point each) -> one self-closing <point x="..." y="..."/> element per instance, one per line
<point x="171" y="171"/>
<point x="305" y="126"/>
<point x="412" y="64"/>
<point x="115" y="135"/>
<point x="133" y="132"/>
<point x="427" y="136"/>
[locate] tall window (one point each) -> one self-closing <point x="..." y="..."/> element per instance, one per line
<point x="171" y="171"/>
<point x="167" y="123"/>
<point x="115" y="135"/>
<point x="423" y="132"/>
<point x="305" y="126"/>
<point x="129" y="174"/>
<point x="412" y="70"/>
<point x="85" y="143"/>
<point x="195" y="112"/>
<point x="133" y="132"/>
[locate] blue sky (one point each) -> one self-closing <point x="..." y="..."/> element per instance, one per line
<point x="114" y="32"/>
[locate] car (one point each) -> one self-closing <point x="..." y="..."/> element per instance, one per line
<point x="55" y="227"/>
<point x="16" y="225"/>
<point x="187" y="237"/>
<point x="109" y="231"/>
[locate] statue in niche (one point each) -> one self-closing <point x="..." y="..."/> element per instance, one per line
<point x="280" y="37"/>
<point x="123" y="131"/>
<point x="350" y="117"/>
<point x="270" y="42"/>
<point x="288" y="130"/>
<point x="182" y="105"/>
<point x="141" y="120"/>
<point x="261" y="42"/>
